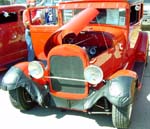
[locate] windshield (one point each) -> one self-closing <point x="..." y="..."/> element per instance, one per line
<point x="105" y="16"/>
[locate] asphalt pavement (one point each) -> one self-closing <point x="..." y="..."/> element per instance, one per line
<point x="53" y="118"/>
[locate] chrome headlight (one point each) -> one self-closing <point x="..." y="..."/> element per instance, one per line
<point x="93" y="74"/>
<point x="36" y="69"/>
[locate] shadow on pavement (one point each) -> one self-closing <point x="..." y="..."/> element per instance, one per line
<point x="101" y="120"/>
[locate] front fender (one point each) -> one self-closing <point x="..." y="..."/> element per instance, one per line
<point x="121" y="90"/>
<point x="13" y="79"/>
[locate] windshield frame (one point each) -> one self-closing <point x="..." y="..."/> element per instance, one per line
<point x="107" y="16"/>
<point x="99" y="5"/>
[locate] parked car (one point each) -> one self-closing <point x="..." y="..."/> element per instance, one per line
<point x="95" y="53"/>
<point x="12" y="41"/>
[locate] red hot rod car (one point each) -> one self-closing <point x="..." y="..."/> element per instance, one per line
<point x="95" y="61"/>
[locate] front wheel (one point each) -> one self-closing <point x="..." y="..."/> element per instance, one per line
<point x="121" y="116"/>
<point x="20" y="99"/>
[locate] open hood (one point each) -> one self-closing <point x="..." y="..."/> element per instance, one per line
<point x="78" y="22"/>
<point x="75" y="25"/>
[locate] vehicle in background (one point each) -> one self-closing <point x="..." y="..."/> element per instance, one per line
<point x="12" y="41"/>
<point x="95" y="53"/>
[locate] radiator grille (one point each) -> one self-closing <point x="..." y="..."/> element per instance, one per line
<point x="67" y="67"/>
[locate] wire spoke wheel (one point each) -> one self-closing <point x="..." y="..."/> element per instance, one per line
<point x="21" y="99"/>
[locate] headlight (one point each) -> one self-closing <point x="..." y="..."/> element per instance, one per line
<point x="35" y="69"/>
<point x="93" y="74"/>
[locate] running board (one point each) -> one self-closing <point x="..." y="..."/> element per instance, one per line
<point x="139" y="69"/>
